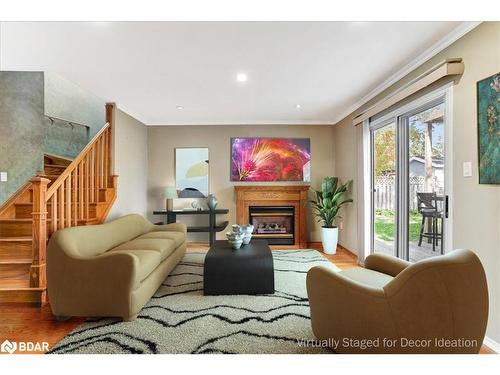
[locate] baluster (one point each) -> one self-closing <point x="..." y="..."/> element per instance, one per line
<point x="81" y="190"/>
<point x="96" y="173"/>
<point x="106" y="166"/>
<point x="53" y="210"/>
<point x="87" y="186"/>
<point x="91" y="174"/>
<point x="74" y="179"/>
<point x="101" y="162"/>
<point x="67" y="185"/>
<point x="97" y="169"/>
<point x="60" y="192"/>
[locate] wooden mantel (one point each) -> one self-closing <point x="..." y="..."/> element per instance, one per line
<point x="274" y="195"/>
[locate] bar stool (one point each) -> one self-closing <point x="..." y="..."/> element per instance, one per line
<point x="427" y="207"/>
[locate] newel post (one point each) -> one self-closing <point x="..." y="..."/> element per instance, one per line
<point x="39" y="244"/>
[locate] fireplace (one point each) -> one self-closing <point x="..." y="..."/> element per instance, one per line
<point x="279" y="211"/>
<point x="273" y="223"/>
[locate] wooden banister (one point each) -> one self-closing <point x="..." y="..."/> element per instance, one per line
<point x="83" y="183"/>
<point x="90" y="147"/>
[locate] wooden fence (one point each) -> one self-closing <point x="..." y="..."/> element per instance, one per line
<point x="385" y="194"/>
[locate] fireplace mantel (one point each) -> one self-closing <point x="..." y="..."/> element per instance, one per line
<point x="275" y="195"/>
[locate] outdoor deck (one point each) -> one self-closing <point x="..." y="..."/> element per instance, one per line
<point x="416" y="252"/>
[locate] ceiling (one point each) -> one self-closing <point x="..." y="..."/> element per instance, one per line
<point x="150" y="69"/>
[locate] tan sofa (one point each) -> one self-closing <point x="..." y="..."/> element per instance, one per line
<point x="438" y="305"/>
<point x="112" y="269"/>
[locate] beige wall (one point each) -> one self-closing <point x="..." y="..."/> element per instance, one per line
<point x="476" y="217"/>
<point x="130" y="164"/>
<point x="163" y="139"/>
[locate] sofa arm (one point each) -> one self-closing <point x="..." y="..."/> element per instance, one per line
<point x="174" y="227"/>
<point x="387" y="264"/>
<point x="343" y="309"/>
<point x="91" y="286"/>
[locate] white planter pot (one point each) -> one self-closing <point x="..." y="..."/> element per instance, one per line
<point x="329" y="238"/>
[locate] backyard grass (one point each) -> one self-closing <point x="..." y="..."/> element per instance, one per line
<point x="385" y="228"/>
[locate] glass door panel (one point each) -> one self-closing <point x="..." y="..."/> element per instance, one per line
<point x="384" y="189"/>
<point x="426" y="190"/>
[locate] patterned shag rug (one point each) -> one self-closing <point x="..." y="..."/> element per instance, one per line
<point x="180" y="319"/>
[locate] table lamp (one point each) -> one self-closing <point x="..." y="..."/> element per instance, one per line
<point x="170" y="194"/>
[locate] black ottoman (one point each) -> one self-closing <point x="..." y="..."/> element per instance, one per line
<point x="248" y="270"/>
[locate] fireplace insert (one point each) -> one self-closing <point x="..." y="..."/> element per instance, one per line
<point x="273" y="223"/>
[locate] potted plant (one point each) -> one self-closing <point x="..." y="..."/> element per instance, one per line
<point x="328" y="201"/>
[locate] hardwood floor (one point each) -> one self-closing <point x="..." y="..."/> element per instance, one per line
<point x="23" y="322"/>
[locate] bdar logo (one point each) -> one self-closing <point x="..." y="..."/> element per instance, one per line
<point x="8" y="347"/>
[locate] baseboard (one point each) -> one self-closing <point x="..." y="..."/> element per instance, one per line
<point x="319" y="246"/>
<point x="315" y="245"/>
<point x="491" y="344"/>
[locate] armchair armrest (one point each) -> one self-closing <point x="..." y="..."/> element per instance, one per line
<point x="174" y="227"/>
<point x="342" y="308"/>
<point x="328" y="281"/>
<point x="387" y="264"/>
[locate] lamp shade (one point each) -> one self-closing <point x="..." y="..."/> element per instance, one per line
<point x="170" y="192"/>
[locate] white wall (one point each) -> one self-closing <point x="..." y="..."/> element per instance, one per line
<point x="130" y="164"/>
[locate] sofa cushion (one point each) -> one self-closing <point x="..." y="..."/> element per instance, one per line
<point x="164" y="246"/>
<point x="92" y="240"/>
<point x="367" y="277"/>
<point x="177" y="237"/>
<point x="148" y="261"/>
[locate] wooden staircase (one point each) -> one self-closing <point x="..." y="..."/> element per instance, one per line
<point x="67" y="193"/>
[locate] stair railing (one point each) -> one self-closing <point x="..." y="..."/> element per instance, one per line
<point x="70" y="197"/>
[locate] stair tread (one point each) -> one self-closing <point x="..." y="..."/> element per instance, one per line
<point x="14" y="284"/>
<point x="49" y="220"/>
<point x="15" y="289"/>
<point x="16" y="239"/>
<point x="50" y="203"/>
<point x="16" y="220"/>
<point x="56" y="166"/>
<point x="61" y="158"/>
<point x="17" y="261"/>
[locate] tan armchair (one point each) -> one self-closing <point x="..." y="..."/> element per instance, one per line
<point x="438" y="305"/>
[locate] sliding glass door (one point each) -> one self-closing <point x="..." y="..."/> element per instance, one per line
<point x="408" y="172"/>
<point x="384" y="188"/>
<point x="426" y="184"/>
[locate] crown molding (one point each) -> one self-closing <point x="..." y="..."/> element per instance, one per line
<point x="425" y="56"/>
<point x="242" y="123"/>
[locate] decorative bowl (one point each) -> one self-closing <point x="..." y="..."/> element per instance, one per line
<point x="247" y="230"/>
<point x="236" y="244"/>
<point x="246" y="239"/>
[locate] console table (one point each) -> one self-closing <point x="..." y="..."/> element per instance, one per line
<point x="212" y="227"/>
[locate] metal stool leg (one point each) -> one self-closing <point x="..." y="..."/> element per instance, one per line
<point x="422" y="225"/>
<point x="433" y="234"/>
<point x="442" y="235"/>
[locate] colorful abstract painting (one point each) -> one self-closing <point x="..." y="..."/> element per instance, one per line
<point x="270" y="159"/>
<point x="488" y="113"/>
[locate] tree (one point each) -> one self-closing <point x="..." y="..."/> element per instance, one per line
<point x="385" y="151"/>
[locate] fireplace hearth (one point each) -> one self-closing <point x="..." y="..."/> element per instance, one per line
<point x="273" y="223"/>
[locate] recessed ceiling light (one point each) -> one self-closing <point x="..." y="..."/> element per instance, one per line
<point x="241" y="77"/>
<point x="179" y="107"/>
<point x="298" y="106"/>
